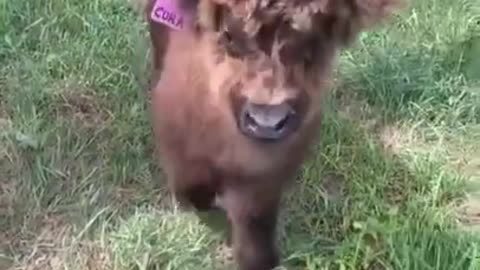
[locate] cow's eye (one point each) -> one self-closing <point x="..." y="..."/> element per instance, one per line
<point x="308" y="58"/>
<point x="233" y="44"/>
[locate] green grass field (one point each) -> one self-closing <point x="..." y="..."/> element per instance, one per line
<point x="393" y="184"/>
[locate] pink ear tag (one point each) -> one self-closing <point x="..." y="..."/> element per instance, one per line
<point x="169" y="13"/>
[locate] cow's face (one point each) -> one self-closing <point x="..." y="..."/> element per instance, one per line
<point x="267" y="78"/>
<point x="270" y="77"/>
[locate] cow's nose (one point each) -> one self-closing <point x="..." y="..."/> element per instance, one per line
<point x="268" y="122"/>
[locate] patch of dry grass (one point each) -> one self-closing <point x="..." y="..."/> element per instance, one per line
<point x="54" y="246"/>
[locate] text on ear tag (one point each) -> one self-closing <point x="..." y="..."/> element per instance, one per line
<point x="169" y="13"/>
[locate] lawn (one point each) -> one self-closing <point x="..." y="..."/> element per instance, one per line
<point x="393" y="183"/>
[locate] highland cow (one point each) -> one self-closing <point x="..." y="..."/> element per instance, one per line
<point x="236" y="95"/>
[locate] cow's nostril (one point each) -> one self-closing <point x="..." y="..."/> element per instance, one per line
<point x="267" y="122"/>
<point x="282" y="123"/>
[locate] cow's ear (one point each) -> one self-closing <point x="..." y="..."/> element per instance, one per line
<point x="371" y="12"/>
<point x="350" y="17"/>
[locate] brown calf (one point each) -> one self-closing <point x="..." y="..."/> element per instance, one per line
<point x="237" y="102"/>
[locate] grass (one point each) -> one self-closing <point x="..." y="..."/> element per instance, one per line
<point x="393" y="183"/>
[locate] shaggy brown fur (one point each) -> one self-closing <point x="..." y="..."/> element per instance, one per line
<point x="236" y="52"/>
